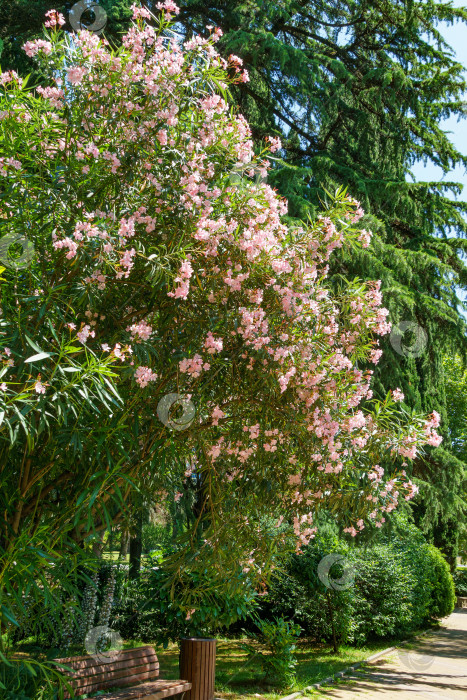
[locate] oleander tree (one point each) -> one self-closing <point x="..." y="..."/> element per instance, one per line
<point x="148" y="271"/>
<point x="353" y="88"/>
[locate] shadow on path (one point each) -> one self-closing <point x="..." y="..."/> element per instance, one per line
<point x="434" y="667"/>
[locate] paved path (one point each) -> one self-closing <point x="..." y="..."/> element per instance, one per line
<point x="433" y="668"/>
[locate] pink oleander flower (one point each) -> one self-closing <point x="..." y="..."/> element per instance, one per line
<point x="85" y="333"/>
<point x="194" y="367"/>
<point x="365" y="238"/>
<point x="435" y="419"/>
<point x="275" y="143"/>
<point x="32" y="48"/>
<point x="216" y="415"/>
<point x="8" y="77"/>
<point x="213" y="344"/>
<point x="140" y="331"/>
<point x="169" y="7"/>
<point x="434" y="439"/>
<point x="397" y="395"/>
<point x="75" y="75"/>
<point x="351" y="530"/>
<point x="253" y="431"/>
<point x="235" y="60"/>
<point x="54" y="18"/>
<point x="375" y="356"/>
<point x="140" y="12"/>
<point x="39" y="387"/>
<point x="144" y="375"/>
<point x="183" y="277"/>
<point x="54" y="95"/>
<point x="67" y="243"/>
<point x="162" y="137"/>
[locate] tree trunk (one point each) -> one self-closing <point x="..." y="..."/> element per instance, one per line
<point x="110" y="543"/>
<point x="98" y="545"/>
<point x="124" y="544"/>
<point x="136" y="547"/>
<point x="331" y="617"/>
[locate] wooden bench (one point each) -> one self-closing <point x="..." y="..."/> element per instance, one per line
<point x="131" y="667"/>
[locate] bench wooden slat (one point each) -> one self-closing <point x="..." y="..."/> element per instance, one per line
<point x="154" y="690"/>
<point x="79" y="663"/>
<point x="116" y="666"/>
<point x="111" y="682"/>
<point x="116" y="675"/>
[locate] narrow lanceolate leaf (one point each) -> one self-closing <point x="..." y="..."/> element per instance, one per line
<point x="33" y="344"/>
<point x="39" y="356"/>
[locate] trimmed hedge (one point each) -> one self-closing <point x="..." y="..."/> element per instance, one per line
<point x="441" y="585"/>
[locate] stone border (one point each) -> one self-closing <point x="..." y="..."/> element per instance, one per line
<point x="350" y="669"/>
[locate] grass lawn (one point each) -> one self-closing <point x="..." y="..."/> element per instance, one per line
<point x="115" y="557"/>
<point x="236" y="677"/>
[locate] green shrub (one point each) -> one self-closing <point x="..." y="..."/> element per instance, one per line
<point x="440" y="582"/>
<point x="401" y="583"/>
<point x="382" y="594"/>
<point x="460" y="582"/>
<point x="297" y="594"/>
<point x="410" y="545"/>
<point x="275" y="648"/>
<point x="306" y="606"/>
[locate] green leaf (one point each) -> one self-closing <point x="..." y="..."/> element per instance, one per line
<point x="32" y="344"/>
<point x="9" y="616"/>
<point x="39" y="356"/>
